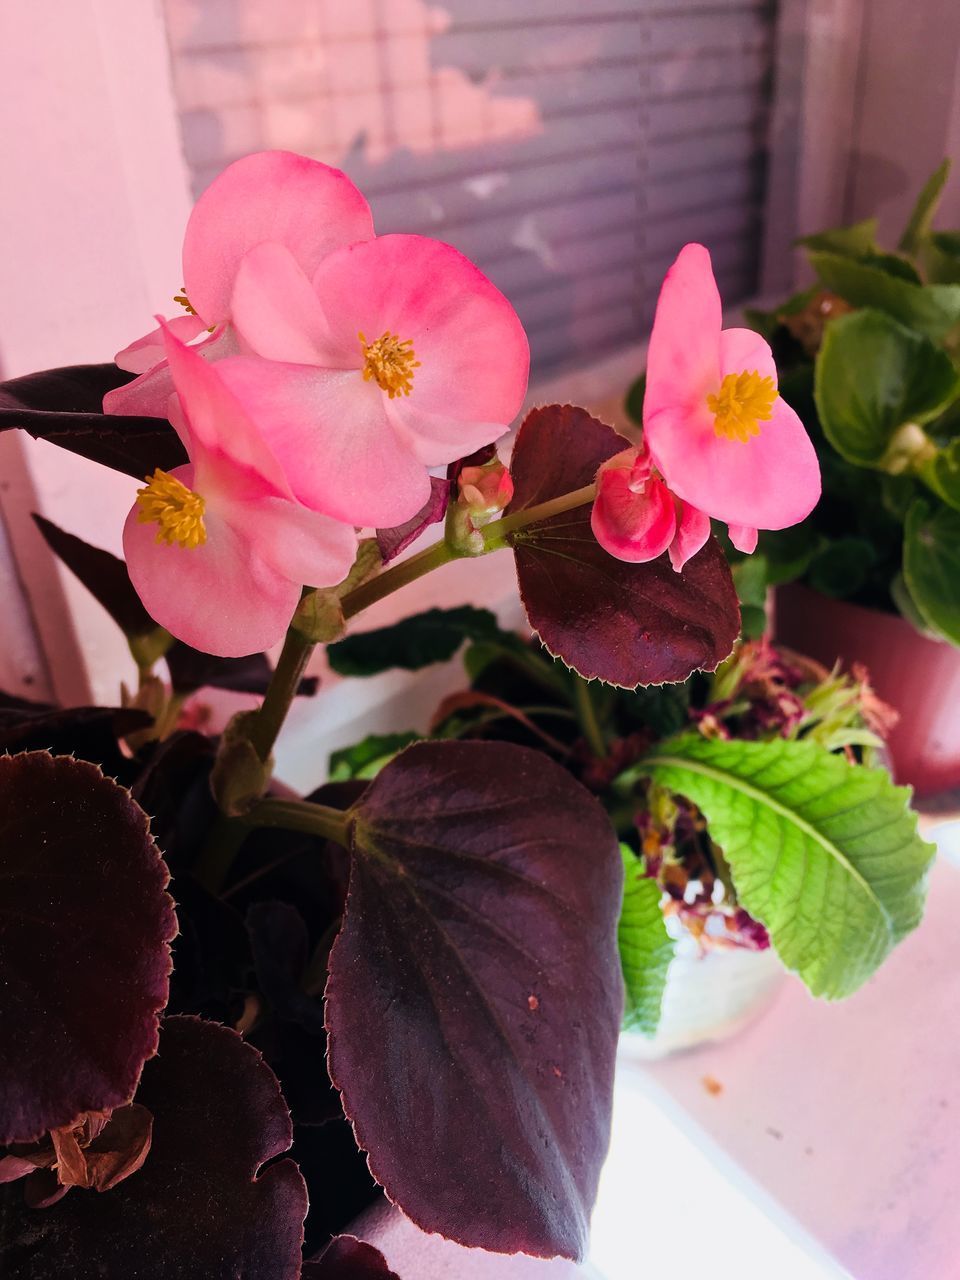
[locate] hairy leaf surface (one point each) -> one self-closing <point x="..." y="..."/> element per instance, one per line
<point x="646" y="948"/>
<point x="85" y="926"/>
<point x="823" y="852"/>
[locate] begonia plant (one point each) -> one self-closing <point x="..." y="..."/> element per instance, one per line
<point x="233" y="1014"/>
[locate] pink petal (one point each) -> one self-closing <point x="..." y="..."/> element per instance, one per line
<point x="277" y="312"/>
<point x="331" y="433"/>
<point x="149" y="395"/>
<point x="693" y="530"/>
<point x="632" y="526"/>
<point x="435" y="439"/>
<point x="219" y="425"/>
<point x="220" y="597"/>
<point x="271" y="196"/>
<point x="743" y="538"/>
<point x="148" y="351"/>
<point x="770" y="481"/>
<point x="742" y="350"/>
<point x="473" y="352"/>
<point x="300" y="544"/>
<point x="683" y="357"/>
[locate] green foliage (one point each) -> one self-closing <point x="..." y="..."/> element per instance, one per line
<point x="931" y="565"/>
<point x="433" y="636"/>
<point x="823" y="852"/>
<point x="365" y="759"/>
<point x="646" y="948"/>
<point x="842" y="567"/>
<point x="873" y="377"/>
<point x="932" y="309"/>
<point x="941" y="257"/>
<point x="856" y="241"/>
<point x="633" y="401"/>
<point x="917" y="229"/>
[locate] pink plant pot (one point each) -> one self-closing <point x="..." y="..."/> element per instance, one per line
<point x="917" y="676"/>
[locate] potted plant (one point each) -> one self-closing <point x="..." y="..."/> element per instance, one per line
<point x="869" y="357"/>
<point x="733" y="795"/>
<point x="410" y="983"/>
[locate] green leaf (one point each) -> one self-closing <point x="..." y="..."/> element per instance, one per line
<point x="931" y="565"/>
<point x="432" y="636"/>
<point x="788" y="552"/>
<point x="633" y="401"/>
<point x="873" y="376"/>
<point x="646" y="948"/>
<point x="933" y="309"/>
<point x="942" y="473"/>
<point x="854" y="241"/>
<point x="941" y="257"/>
<point x="823" y="852"/>
<point x="842" y="567"/>
<point x="894" y="265"/>
<point x="365" y="759"/>
<point x="918" y="225"/>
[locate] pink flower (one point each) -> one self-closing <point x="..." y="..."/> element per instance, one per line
<point x="397" y="355"/>
<point x="218" y="549"/>
<point x="635" y="516"/>
<point x="485" y="490"/>
<point x="274" y="197"/>
<point x="714" y="422"/>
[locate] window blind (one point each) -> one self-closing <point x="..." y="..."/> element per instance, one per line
<point x="570" y="148"/>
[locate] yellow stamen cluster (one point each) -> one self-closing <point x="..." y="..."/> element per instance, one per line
<point x="742" y="403"/>
<point x="390" y="363"/>
<point x="184" y="301"/>
<point x="175" y="508"/>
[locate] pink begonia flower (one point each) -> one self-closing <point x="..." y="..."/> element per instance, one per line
<point x="717" y="429"/>
<point x="218" y="549"/>
<point x="635" y="516"/>
<point x="272" y="197"/>
<point x="397" y="355"/>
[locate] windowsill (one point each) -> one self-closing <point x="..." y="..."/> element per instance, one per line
<point x="829" y="1150"/>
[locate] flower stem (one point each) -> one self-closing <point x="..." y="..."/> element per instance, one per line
<point x="495" y="535"/>
<point x="281" y="692"/>
<point x="587" y="718"/>
<point x="301" y="815"/>
<point x="400" y="575"/>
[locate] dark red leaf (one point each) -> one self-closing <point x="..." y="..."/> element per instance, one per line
<point x="173" y="786"/>
<point x="190" y="669"/>
<point x="197" y="1209"/>
<point x="90" y="733"/>
<point x="85" y="924"/>
<point x="474" y="997"/>
<point x="104" y="575"/>
<point x="347" y="1258"/>
<point x="390" y="542"/>
<point x="65" y="406"/>
<point x="211" y="954"/>
<point x="626" y="624"/>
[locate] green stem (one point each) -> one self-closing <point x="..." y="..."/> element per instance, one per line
<point x="301" y="815"/>
<point x="217" y="855"/>
<point x="399" y="575"/>
<point x="495" y="535"/>
<point x="587" y="716"/>
<point x="281" y="692"/>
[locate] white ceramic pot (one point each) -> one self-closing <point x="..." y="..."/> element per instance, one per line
<point x="709" y="996"/>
